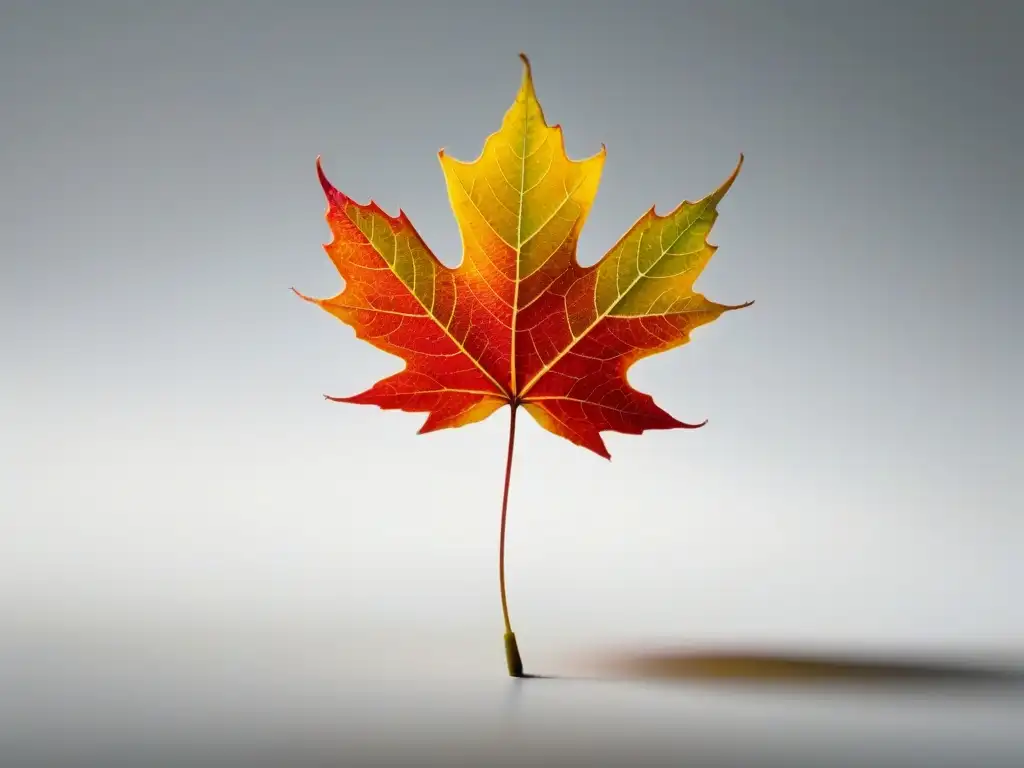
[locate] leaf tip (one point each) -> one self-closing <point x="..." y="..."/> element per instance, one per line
<point x="744" y="305"/>
<point x="685" y="425"/>
<point x="600" y="448"/>
<point x="327" y="186"/>
<point x="732" y="177"/>
<point x="303" y="296"/>
<point x="527" y="82"/>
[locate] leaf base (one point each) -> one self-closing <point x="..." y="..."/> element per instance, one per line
<point x="512" y="657"/>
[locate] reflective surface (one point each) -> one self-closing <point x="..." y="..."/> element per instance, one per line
<point x="302" y="695"/>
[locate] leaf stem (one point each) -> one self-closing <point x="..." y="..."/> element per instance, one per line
<point x="514" y="661"/>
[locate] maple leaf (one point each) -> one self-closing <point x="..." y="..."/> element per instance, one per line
<point x="520" y="322"/>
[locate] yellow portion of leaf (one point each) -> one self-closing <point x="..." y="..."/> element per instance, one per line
<point x="520" y="207"/>
<point x="652" y="269"/>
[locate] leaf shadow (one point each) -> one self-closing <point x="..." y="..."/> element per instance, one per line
<point x="764" y="667"/>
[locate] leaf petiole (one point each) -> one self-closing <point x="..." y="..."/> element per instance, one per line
<point x="512" y="658"/>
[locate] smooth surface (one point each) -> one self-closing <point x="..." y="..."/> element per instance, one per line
<point x="303" y="695"/>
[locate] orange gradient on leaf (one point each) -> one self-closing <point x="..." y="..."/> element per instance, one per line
<point x="519" y="321"/>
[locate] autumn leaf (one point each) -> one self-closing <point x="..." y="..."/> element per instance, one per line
<point x="520" y="322"/>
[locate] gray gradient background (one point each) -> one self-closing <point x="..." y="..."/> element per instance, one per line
<point x="197" y="551"/>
